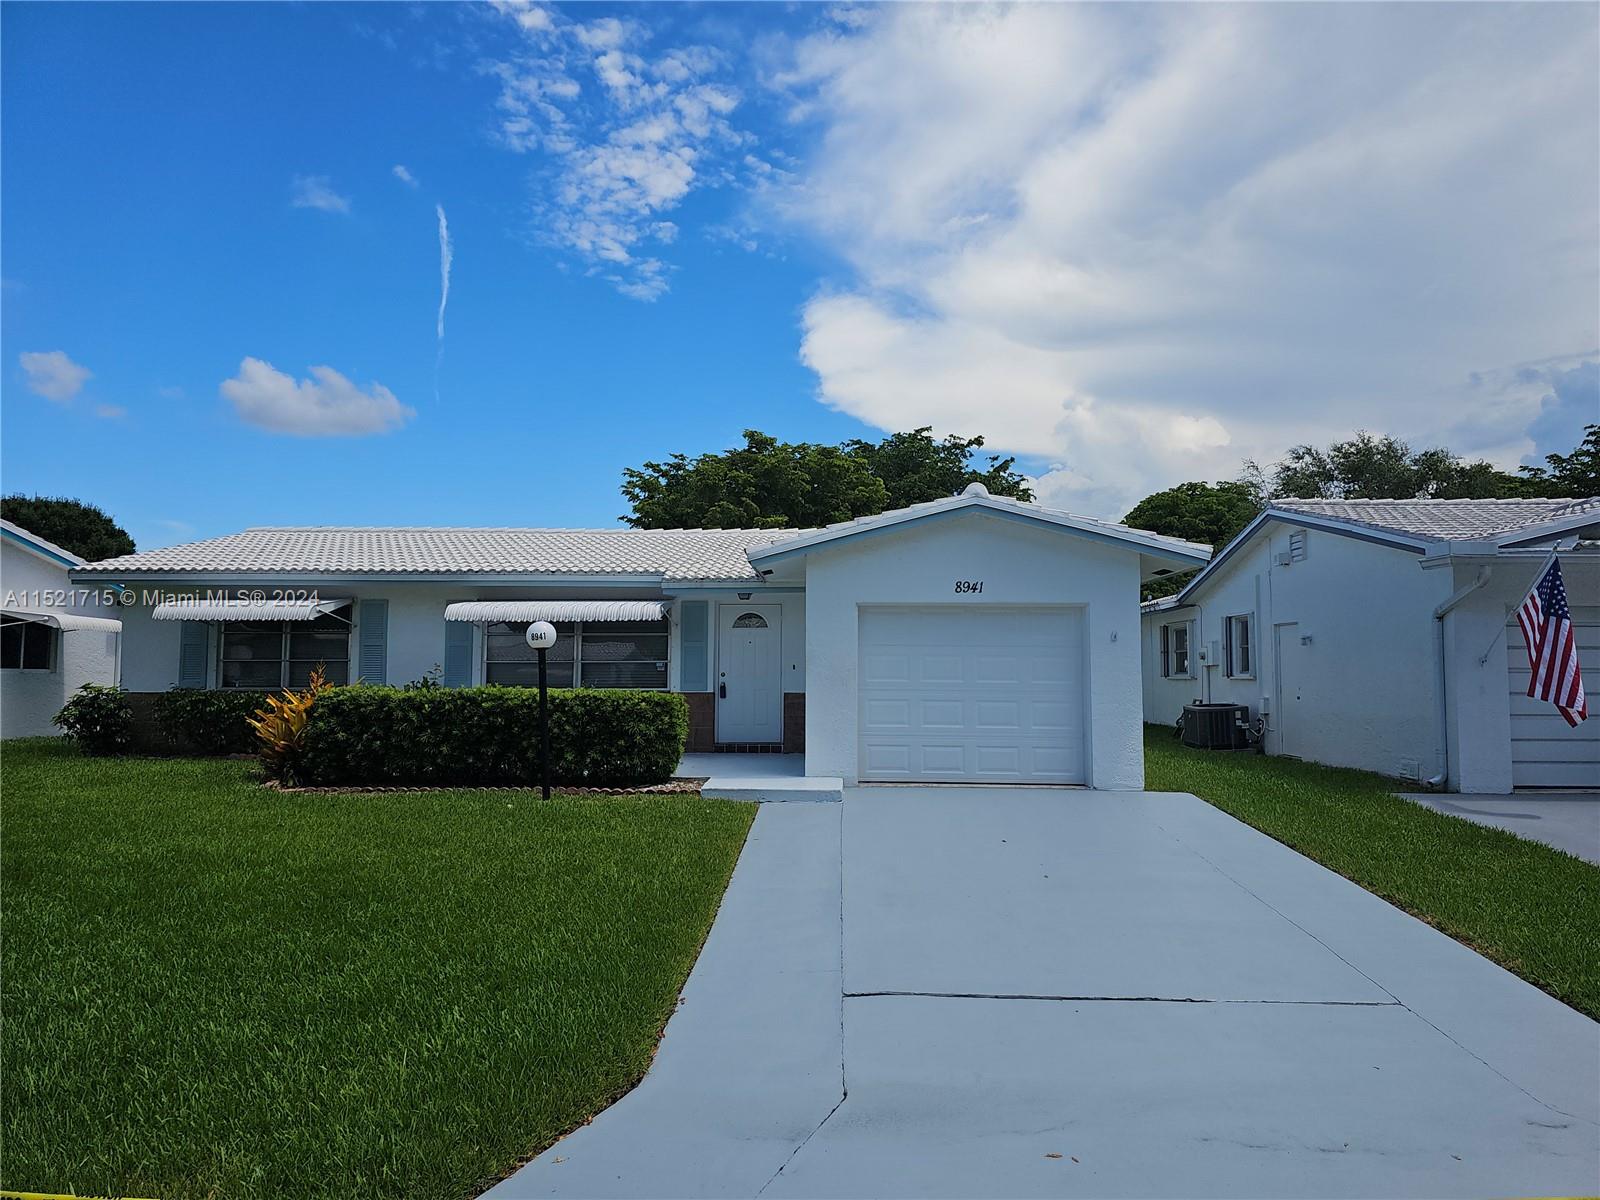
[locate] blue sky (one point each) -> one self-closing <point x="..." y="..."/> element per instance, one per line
<point x="1132" y="245"/>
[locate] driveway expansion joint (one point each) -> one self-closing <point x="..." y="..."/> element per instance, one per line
<point x="1122" y="999"/>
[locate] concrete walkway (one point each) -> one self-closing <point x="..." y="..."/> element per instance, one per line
<point x="958" y="992"/>
<point x="764" y="778"/>
<point x="1568" y="821"/>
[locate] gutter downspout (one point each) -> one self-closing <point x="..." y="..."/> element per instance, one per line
<point x="1442" y="779"/>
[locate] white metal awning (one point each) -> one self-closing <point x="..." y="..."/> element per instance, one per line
<point x="244" y="610"/>
<point x="557" y="610"/>
<point x="66" y="621"/>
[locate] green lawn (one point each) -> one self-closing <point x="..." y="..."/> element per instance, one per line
<point x="1532" y="909"/>
<point x="210" y="989"/>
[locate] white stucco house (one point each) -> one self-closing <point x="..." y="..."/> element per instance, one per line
<point x="1379" y="634"/>
<point x="54" y="635"/>
<point x="972" y="639"/>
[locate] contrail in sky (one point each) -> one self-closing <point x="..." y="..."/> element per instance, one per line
<point x="445" y="255"/>
<point x="444" y="269"/>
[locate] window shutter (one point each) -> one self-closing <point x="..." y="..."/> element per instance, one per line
<point x="1166" y="651"/>
<point x="1227" y="647"/>
<point x="372" y="658"/>
<point x="194" y="658"/>
<point x="694" y="620"/>
<point x="457" y="654"/>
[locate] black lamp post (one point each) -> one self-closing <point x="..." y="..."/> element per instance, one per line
<point x="541" y="636"/>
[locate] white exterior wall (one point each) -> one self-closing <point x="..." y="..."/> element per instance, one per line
<point x="29" y="699"/>
<point x="1475" y="650"/>
<point x="416" y="633"/>
<point x="1164" y="697"/>
<point x="1368" y="673"/>
<point x="1019" y="565"/>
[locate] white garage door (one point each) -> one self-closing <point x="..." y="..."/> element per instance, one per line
<point x="1545" y="750"/>
<point x="973" y="694"/>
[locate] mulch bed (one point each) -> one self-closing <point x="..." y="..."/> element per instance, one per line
<point x="673" y="787"/>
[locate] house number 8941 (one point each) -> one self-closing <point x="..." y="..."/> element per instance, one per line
<point x="969" y="585"/>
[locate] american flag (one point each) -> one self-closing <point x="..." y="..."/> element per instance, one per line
<point x="1552" y="648"/>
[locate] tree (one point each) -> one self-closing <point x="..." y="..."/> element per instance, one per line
<point x="915" y="468"/>
<point x="764" y="484"/>
<point x="1383" y="468"/>
<point x="73" y="525"/>
<point x="1575" y="474"/>
<point x="768" y="484"/>
<point x="1196" y="512"/>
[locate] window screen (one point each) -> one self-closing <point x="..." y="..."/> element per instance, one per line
<point x="276" y="654"/>
<point x="599" y="654"/>
<point x="26" y="645"/>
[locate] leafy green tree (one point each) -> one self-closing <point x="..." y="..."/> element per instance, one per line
<point x="764" y="484"/>
<point x="1575" y="474"/>
<point x="84" y="529"/>
<point x="768" y="484"/>
<point x="1367" y="467"/>
<point x="1197" y="512"/>
<point x="915" y="468"/>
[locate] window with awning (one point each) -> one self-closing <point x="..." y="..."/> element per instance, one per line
<point x="599" y="643"/>
<point x="277" y="654"/>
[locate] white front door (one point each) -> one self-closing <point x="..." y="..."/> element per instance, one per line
<point x="749" y="673"/>
<point x="969" y="694"/>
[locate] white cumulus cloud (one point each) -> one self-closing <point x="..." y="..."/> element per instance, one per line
<point x="53" y="375"/>
<point x="316" y="191"/>
<point x="325" y="405"/>
<point x="1141" y="244"/>
<point x="404" y="175"/>
<point x="629" y="132"/>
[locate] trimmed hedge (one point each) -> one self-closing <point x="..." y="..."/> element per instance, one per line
<point x="490" y="736"/>
<point x="208" y="722"/>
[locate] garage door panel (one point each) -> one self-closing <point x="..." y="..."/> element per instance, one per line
<point x="937" y="759"/>
<point x="888" y="714"/>
<point x="881" y="667"/>
<point x="886" y="760"/>
<point x="985" y="695"/>
<point x="938" y="715"/>
<point x="939" y="668"/>
<point x="998" y="715"/>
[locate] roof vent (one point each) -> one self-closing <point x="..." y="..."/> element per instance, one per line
<point x="974" y="489"/>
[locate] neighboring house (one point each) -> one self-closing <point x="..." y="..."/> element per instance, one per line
<point x="54" y="635"/>
<point x="1379" y="634"/>
<point x="973" y="639"/>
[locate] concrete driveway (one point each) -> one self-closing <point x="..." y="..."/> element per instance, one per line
<point x="963" y="992"/>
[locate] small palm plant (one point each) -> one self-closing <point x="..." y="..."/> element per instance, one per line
<point x="281" y="728"/>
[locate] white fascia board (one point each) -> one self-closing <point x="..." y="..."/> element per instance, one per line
<point x="1288" y="516"/>
<point x="1547" y="530"/>
<point x="1192" y="554"/>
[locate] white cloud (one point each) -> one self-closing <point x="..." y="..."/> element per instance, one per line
<point x="316" y="191"/>
<point x="1142" y="244"/>
<point x="326" y="405"/>
<point x="625" y="150"/>
<point x="53" y="375"/>
<point x="404" y="175"/>
<point x="111" y="412"/>
<point x="446" y="256"/>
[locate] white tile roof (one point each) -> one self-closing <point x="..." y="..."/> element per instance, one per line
<point x="673" y="554"/>
<point x="1444" y="520"/>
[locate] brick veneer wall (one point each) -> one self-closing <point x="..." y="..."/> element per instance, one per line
<point x="794" y="722"/>
<point x="702" y="722"/>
